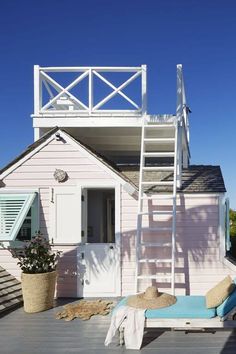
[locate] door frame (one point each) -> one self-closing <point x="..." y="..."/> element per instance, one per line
<point x="103" y="184"/>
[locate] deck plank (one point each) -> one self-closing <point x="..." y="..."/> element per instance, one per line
<point x="41" y="333"/>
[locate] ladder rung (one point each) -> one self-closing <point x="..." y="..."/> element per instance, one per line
<point x="146" y="260"/>
<point x="158" y="154"/>
<point x="154" y="277"/>
<point x="157" y="228"/>
<point x="155" y="244"/>
<point x="158" y="183"/>
<point x="157" y="212"/>
<point x="159" y="168"/>
<point x="159" y="140"/>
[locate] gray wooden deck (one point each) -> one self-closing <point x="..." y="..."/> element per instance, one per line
<point x="23" y="333"/>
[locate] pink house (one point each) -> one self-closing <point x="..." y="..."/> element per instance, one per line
<point x="114" y="189"/>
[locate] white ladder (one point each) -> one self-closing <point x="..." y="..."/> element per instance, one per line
<point x="145" y="154"/>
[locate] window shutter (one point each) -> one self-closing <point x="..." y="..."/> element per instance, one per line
<point x="65" y="215"/>
<point x="13" y="210"/>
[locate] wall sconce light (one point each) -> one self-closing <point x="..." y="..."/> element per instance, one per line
<point x="60" y="175"/>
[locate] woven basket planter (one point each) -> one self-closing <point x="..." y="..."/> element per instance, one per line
<point x="38" y="291"/>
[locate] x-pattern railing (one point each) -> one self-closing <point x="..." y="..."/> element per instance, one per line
<point x="64" y="100"/>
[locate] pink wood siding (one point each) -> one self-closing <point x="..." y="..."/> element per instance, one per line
<point x="198" y="265"/>
<point x="37" y="172"/>
<point x="67" y="272"/>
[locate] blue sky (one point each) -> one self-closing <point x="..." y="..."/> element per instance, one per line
<point x="160" y="33"/>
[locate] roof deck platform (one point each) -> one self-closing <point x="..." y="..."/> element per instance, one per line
<point x="92" y="96"/>
<point x="42" y="333"/>
<point x="103" y="107"/>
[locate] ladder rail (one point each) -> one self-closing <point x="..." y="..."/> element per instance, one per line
<point x="140" y="205"/>
<point x="175" y="168"/>
<point x="173" y="236"/>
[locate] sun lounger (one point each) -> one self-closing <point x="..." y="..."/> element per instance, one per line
<point x="188" y="313"/>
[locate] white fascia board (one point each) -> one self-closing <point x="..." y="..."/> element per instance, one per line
<point x="130" y="189"/>
<point x="229" y="265"/>
<point x="74" y="122"/>
<point x="26" y="157"/>
<point x="95" y="160"/>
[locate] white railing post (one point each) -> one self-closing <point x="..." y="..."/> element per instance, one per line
<point x="179" y="126"/>
<point x="185" y="108"/>
<point x="90" y="91"/>
<point x="37" y="90"/>
<point x="179" y="106"/>
<point x="182" y="109"/>
<point x="144" y="89"/>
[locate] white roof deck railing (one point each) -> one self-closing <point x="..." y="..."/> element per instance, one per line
<point x="51" y="96"/>
<point x="182" y="110"/>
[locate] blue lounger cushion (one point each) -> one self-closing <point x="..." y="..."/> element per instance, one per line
<point x="185" y="307"/>
<point x="228" y="304"/>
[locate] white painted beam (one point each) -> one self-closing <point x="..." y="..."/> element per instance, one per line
<point x="37" y="90"/>
<point x="104" y="120"/>
<point x="129" y="69"/>
<point x="144" y="89"/>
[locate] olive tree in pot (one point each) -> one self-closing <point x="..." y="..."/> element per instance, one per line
<point x="38" y="264"/>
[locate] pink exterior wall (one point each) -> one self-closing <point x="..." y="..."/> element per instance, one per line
<point x="198" y="260"/>
<point x="198" y="263"/>
<point x="37" y="172"/>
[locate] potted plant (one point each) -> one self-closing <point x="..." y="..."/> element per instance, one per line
<point x="38" y="264"/>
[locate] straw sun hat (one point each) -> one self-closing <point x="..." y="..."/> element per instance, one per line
<point x="151" y="299"/>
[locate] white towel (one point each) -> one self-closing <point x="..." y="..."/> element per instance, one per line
<point x="134" y="326"/>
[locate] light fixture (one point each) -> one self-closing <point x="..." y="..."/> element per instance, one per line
<point x="60" y="175"/>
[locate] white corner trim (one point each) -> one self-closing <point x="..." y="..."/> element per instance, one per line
<point x="26" y="157"/>
<point x="221" y="227"/>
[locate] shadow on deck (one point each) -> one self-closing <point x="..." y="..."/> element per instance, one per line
<point x="41" y="333"/>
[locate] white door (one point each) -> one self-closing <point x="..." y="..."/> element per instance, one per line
<point x="101" y="261"/>
<point x="98" y="257"/>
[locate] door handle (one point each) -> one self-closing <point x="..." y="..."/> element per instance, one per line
<point x="111" y="247"/>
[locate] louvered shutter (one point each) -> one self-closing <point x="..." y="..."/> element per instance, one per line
<point x="13" y="210"/>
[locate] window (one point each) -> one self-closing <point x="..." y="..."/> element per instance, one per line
<point x="100" y="215"/>
<point x="18" y="216"/>
<point x="25" y="232"/>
